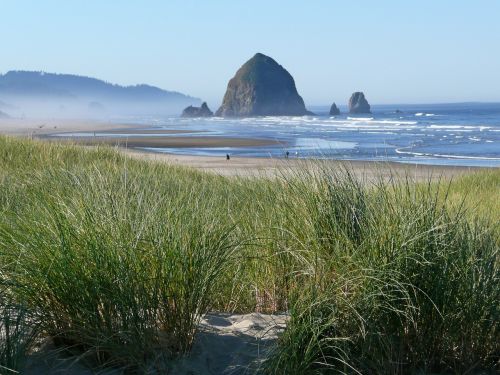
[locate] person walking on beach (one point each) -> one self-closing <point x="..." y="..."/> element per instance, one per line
<point x="228" y="157"/>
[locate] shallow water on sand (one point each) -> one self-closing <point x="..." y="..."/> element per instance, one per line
<point x="446" y="134"/>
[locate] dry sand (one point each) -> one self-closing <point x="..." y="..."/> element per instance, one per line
<point x="31" y="127"/>
<point x="231" y="344"/>
<point x="225" y="344"/>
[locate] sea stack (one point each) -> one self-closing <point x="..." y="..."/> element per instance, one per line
<point x="202" y="111"/>
<point x="358" y="104"/>
<point x="262" y="87"/>
<point x="334" y="110"/>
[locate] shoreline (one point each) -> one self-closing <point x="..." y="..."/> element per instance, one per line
<point x="272" y="167"/>
<point x="133" y="146"/>
<point x="141" y="206"/>
<point x="47" y="127"/>
<point x="172" y="141"/>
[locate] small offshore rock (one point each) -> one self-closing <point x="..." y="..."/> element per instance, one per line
<point x="202" y="111"/>
<point x="334" y="110"/>
<point x="358" y="104"/>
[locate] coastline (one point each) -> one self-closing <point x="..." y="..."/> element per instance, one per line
<point x="227" y="340"/>
<point x="269" y="167"/>
<point x="46" y="127"/>
<point x="172" y="141"/>
<point x="134" y="146"/>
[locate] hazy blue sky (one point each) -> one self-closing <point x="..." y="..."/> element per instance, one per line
<point x="396" y="51"/>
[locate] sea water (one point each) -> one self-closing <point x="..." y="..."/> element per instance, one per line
<point x="465" y="134"/>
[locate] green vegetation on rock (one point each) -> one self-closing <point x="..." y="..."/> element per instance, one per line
<point x="262" y="87"/>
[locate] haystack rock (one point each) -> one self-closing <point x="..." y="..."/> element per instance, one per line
<point x="202" y="111"/>
<point x="358" y="103"/>
<point x="334" y="110"/>
<point x="262" y="87"/>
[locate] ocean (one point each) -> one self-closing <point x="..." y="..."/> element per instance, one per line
<point x="466" y="134"/>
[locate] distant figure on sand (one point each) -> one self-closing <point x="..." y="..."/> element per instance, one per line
<point x="228" y="157"/>
<point x="287" y="154"/>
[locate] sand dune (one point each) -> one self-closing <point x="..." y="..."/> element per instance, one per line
<point x="225" y="344"/>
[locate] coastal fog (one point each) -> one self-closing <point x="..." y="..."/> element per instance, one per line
<point x="43" y="95"/>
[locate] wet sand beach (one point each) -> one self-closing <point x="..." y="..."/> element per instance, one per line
<point x="126" y="136"/>
<point x="268" y="167"/>
<point x="167" y="142"/>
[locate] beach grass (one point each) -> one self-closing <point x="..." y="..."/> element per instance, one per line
<point x="117" y="259"/>
<point x="407" y="281"/>
<point x="17" y="334"/>
<point x="116" y="264"/>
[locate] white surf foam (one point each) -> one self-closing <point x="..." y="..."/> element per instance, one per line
<point x="444" y="156"/>
<point x="360" y="118"/>
<point x="318" y="143"/>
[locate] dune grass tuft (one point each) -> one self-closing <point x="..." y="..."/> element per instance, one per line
<point x="403" y="283"/>
<point x="117" y="267"/>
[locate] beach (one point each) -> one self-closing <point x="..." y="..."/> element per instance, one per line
<point x="145" y="142"/>
<point x="114" y="216"/>
<point x="213" y="188"/>
<point x="136" y="139"/>
<point x="36" y="127"/>
<point x="268" y="167"/>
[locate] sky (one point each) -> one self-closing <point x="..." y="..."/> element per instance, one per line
<point x="412" y="51"/>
